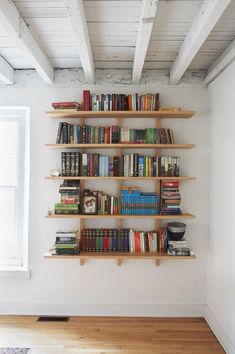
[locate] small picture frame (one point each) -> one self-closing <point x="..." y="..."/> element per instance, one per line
<point x="89" y="205"/>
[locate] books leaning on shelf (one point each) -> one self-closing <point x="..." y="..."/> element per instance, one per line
<point x="85" y="134"/>
<point x="170" y="198"/>
<point x="69" y="198"/>
<point x="108" y="240"/>
<point x="130" y="165"/>
<point x="67" y="243"/>
<point x="120" y="102"/>
<point x="135" y="202"/>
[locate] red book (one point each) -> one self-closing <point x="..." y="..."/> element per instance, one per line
<point x="137" y="241"/>
<point x="170" y="184"/>
<point x="64" y="105"/>
<point x="86" y="100"/>
<point x="106" y="240"/>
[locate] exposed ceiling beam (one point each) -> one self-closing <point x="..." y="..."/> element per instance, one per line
<point x="203" y="23"/>
<point x="221" y="63"/>
<point x="6" y="72"/>
<point x="147" y="15"/>
<point x="14" y="24"/>
<point x="78" y="21"/>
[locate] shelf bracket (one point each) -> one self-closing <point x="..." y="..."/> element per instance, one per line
<point x="157" y="262"/>
<point x="119" y="262"/>
<point x="82" y="261"/>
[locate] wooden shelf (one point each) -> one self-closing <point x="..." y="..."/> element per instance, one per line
<point x="159" y="217"/>
<point x="117" y="114"/>
<point x="121" y="178"/>
<point x="120" y="146"/>
<point x="118" y="256"/>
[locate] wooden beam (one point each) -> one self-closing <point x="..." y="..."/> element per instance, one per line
<point x="147" y="15"/>
<point x="78" y="21"/>
<point x="205" y="20"/>
<point x="14" y="24"/>
<point x="6" y="72"/>
<point x="221" y="63"/>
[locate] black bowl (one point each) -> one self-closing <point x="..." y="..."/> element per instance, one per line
<point x="175" y="231"/>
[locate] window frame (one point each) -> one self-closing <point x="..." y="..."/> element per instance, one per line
<point x="21" y="115"/>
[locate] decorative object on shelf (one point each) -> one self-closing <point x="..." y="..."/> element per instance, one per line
<point x="89" y="204"/>
<point x="55" y="173"/>
<point x="176" y="230"/>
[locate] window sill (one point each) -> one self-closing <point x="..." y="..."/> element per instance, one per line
<point x="14" y="272"/>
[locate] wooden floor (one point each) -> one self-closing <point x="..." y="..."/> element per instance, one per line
<point x="109" y="335"/>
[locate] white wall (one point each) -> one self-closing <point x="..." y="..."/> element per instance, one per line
<point x="221" y="261"/>
<point x="100" y="287"/>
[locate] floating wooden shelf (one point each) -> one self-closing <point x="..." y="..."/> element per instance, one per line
<point x="117" y="114"/>
<point x="118" y="256"/>
<point x="120" y="146"/>
<point x="121" y="178"/>
<point x="80" y="216"/>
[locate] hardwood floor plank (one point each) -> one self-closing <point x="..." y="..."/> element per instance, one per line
<point x="110" y="335"/>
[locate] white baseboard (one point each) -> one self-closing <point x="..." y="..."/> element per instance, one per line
<point x="219" y="331"/>
<point x="134" y="310"/>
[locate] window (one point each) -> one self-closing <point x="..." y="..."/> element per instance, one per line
<point x="14" y="187"/>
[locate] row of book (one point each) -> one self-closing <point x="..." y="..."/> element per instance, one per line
<point x="120" y="102"/>
<point x="109" y="240"/>
<point x="98" y="202"/>
<point x="129" y="165"/>
<point x="85" y="134"/>
<point x="170" y="198"/>
<point x="135" y="202"/>
<point x="67" y="243"/>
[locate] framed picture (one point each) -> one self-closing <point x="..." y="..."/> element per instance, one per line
<point x="89" y="204"/>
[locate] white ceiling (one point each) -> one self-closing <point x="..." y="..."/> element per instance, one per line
<point x="113" y="28"/>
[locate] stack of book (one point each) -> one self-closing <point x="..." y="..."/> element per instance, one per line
<point x="179" y="248"/>
<point x="70" y="198"/>
<point x="66" y="105"/>
<point x="135" y="202"/>
<point x="66" y="242"/>
<point x="85" y="134"/>
<point x="170" y="198"/>
<point x="129" y="165"/>
<point x="120" y="102"/>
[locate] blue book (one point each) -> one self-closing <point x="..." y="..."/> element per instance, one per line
<point x="156" y="136"/>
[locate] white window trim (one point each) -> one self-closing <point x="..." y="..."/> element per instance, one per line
<point x="21" y="271"/>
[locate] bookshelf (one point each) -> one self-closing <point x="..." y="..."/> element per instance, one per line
<point x="120" y="115"/>
<point x="118" y="257"/>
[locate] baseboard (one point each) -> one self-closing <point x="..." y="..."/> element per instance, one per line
<point x="134" y="310"/>
<point x="219" y="331"/>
